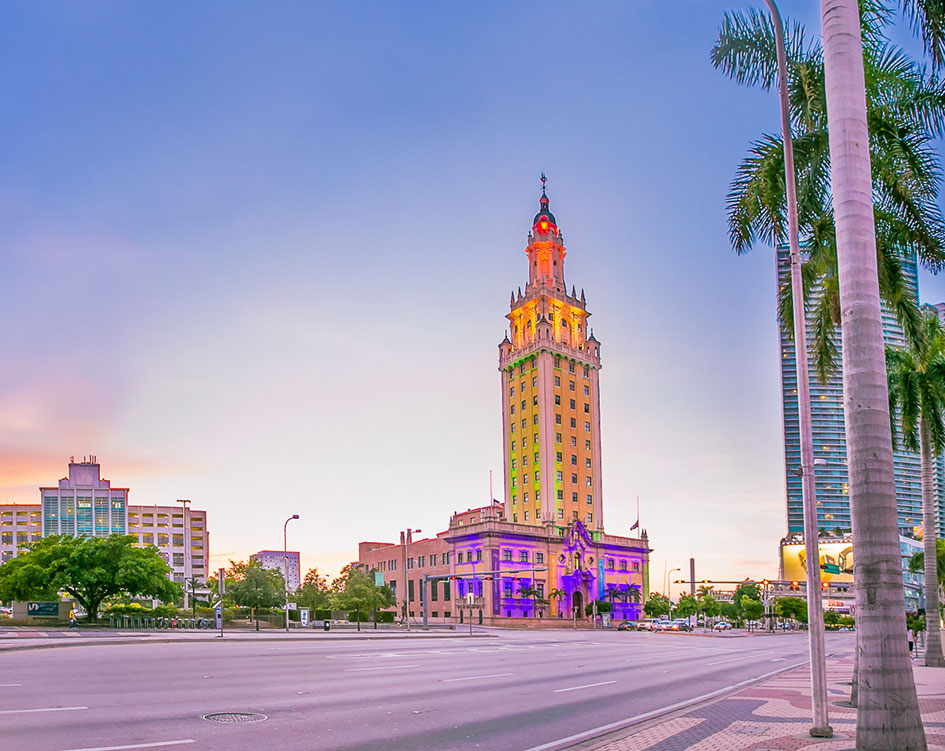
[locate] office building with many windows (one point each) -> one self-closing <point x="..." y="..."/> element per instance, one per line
<point x="829" y="436"/>
<point x="84" y="504"/>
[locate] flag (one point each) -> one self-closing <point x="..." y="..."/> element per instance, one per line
<point x="635" y="525"/>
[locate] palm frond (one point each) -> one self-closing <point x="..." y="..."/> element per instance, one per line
<point x="927" y="18"/>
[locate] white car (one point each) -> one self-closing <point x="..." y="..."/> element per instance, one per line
<point x="722" y="626"/>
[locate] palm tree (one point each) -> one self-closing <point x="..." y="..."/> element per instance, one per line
<point x="887" y="707"/>
<point x="916" y="381"/>
<point x="906" y="110"/>
<point x="917" y="562"/>
<point x="557" y="595"/>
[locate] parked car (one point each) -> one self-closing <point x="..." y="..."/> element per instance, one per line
<point x="6" y="611"/>
<point x="679" y="624"/>
<point x="722" y="626"/>
<point x="627" y="626"/>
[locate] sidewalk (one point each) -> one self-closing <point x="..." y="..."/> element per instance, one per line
<point x="775" y="716"/>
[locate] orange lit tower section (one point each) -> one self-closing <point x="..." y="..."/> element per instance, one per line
<point x="550" y="361"/>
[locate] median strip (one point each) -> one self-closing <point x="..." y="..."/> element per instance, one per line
<point x="587" y="685"/>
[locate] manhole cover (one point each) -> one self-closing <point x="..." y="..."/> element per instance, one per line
<point x="235" y="717"/>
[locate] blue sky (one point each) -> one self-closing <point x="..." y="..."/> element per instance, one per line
<point x="259" y="255"/>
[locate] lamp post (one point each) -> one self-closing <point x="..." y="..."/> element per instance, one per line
<point x="405" y="539"/>
<point x="818" y="671"/>
<point x="188" y="573"/>
<point x="285" y="563"/>
<point x="669" y="575"/>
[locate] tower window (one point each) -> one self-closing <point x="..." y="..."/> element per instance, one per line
<point x="559" y="476"/>
<point x="526" y="516"/>
<point x="571" y="367"/>
<point x="572" y="404"/>
<point x="590" y="520"/>
<point x="571" y="385"/>
<point x="557" y="437"/>
<point x="573" y="440"/>
<point x="574" y="479"/>
<point x="574" y="515"/>
<point x="587" y="481"/>
<point x="513" y="445"/>
<point x="512" y="408"/>
<point x="590" y="500"/>
<point x="521" y="387"/>
<point x="537" y="496"/>
<point x="512" y="427"/>
<point x="585" y="371"/>
<point x="587" y="390"/>
<point x="587" y="408"/>
<point x="514" y="500"/>
<point x="512" y="391"/>
<point x="561" y="513"/>
<point x="513" y="464"/>
<point x="587" y="462"/>
<point x="524" y="402"/>
<point x="587" y="445"/>
<point x="524" y="460"/>
<point x="534" y="381"/>
<point x="521" y="369"/>
<point x="557" y="456"/>
<point x="535" y="419"/>
<point x="557" y="362"/>
<point x="536" y="453"/>
<point x="573" y="423"/>
<point x="587" y="427"/>
<point x="557" y="380"/>
<point x="514" y="518"/>
<point x="574" y="498"/>
<point x="524" y="423"/>
<point x="535" y="400"/>
<point x="557" y="419"/>
<point x="560" y="495"/>
<point x="557" y="399"/>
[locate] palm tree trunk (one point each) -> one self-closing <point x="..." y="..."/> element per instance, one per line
<point x="933" y="632"/>
<point x="887" y="705"/>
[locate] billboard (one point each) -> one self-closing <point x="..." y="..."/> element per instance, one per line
<point x="836" y="561"/>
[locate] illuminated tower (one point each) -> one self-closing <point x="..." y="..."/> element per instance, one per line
<point x="550" y="362"/>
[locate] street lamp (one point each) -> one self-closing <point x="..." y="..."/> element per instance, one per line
<point x="405" y="539"/>
<point x="669" y="574"/>
<point x="815" y="614"/>
<point x="188" y="573"/>
<point x="285" y="563"/>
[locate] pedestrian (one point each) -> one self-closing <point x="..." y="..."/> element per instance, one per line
<point x="911" y="643"/>
<point x="72" y="621"/>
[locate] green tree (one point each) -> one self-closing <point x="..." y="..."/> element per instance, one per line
<point x="249" y="585"/>
<point x="708" y="606"/>
<point x="751" y="609"/>
<point x="91" y="569"/>
<point x="747" y="589"/>
<point x="687" y="607"/>
<point x="557" y="594"/>
<point x="917" y="561"/>
<point x="916" y="382"/>
<point x="356" y="592"/>
<point x="728" y="611"/>
<point x="657" y="605"/>
<point x="906" y="111"/>
<point x="791" y="607"/>
<point x="314" y="592"/>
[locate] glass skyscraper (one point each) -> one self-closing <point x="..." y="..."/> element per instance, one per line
<point x="830" y="449"/>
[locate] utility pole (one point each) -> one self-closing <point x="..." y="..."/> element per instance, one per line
<point x="188" y="570"/>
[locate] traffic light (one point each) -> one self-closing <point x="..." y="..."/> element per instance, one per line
<point x="795" y="586"/>
<point x="825" y="584"/>
<point x="488" y="578"/>
<point x="765" y="582"/>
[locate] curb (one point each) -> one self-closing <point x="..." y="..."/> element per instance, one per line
<point x="599" y="734"/>
<point x="58" y="642"/>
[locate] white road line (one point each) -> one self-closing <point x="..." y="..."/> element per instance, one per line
<point x="47" y="709"/>
<point x="588" y="685"/>
<point x="733" y="659"/>
<point x="476" y="677"/>
<point x="382" y="667"/>
<point x="8" y="685"/>
<point x="594" y="732"/>
<point x="136" y="745"/>
<point x="779" y="659"/>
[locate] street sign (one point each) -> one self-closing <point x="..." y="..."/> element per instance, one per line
<point x="218" y="617"/>
<point x="221" y="582"/>
<point x="830" y="568"/>
<point x="293" y="605"/>
<point x="303" y="617"/>
<point x="42" y="608"/>
<point x="470" y="599"/>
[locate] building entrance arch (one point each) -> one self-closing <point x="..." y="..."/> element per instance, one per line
<point x="577" y="604"/>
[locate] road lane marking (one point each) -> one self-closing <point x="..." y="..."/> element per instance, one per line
<point x="588" y="685"/>
<point x="562" y="743"/>
<point x="382" y="667"/>
<point x="8" y="685"/>
<point x="779" y="659"/>
<point x="135" y="745"/>
<point x="46" y="709"/>
<point x="733" y="659"/>
<point x="477" y="677"/>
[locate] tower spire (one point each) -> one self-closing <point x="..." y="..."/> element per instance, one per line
<point x="544" y="180"/>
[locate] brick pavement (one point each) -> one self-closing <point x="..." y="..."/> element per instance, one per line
<point x="775" y="716"/>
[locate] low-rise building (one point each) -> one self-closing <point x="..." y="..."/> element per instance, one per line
<point x="516" y="574"/>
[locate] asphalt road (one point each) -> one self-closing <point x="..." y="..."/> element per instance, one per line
<point x="515" y="692"/>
